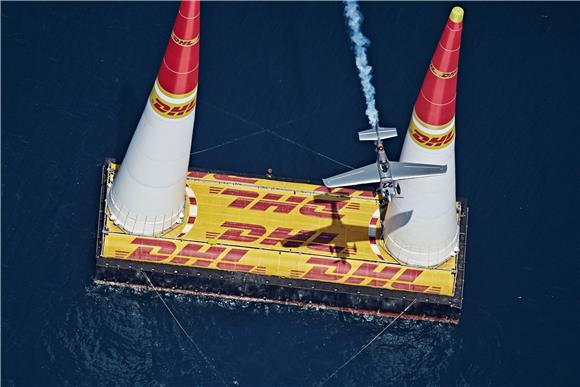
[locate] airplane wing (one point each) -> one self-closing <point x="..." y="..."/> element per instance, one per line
<point x="364" y="175"/>
<point x="403" y="171"/>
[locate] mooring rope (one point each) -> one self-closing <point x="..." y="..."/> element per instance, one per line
<point x="233" y="140"/>
<point x="261" y="130"/>
<point x="366" y="345"/>
<point x="304" y="147"/>
<point x="209" y="364"/>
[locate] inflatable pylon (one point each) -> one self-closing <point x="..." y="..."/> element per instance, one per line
<point x="148" y="193"/>
<point x="421" y="227"/>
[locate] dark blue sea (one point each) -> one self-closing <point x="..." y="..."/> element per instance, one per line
<point x="75" y="78"/>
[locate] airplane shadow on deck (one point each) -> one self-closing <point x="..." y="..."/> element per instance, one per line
<point x="339" y="238"/>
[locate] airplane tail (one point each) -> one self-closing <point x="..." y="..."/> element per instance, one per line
<point x="371" y="134"/>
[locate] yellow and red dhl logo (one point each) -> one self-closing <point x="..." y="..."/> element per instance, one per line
<point x="192" y="254"/>
<point x="442" y="74"/>
<point x="335" y="270"/>
<point x="222" y="177"/>
<point x="323" y="269"/>
<point x="256" y="234"/>
<point x="184" y="42"/>
<point x="248" y="180"/>
<point x="431" y="141"/>
<point x="284" y="204"/>
<point x="168" y="109"/>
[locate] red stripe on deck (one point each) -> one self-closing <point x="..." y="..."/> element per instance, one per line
<point x="234" y="255"/>
<point x="234" y="179"/>
<point x="198" y="174"/>
<point x="410" y="287"/>
<point x="295" y="199"/>
<point x="409" y="275"/>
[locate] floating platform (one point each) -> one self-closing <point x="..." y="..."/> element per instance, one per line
<point x="284" y="242"/>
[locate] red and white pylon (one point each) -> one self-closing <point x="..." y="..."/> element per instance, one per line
<point x="148" y="193"/>
<point x="421" y="228"/>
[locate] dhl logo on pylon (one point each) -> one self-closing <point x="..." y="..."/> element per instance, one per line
<point x="431" y="136"/>
<point x="442" y="74"/>
<point x="432" y="125"/>
<point x="184" y="42"/>
<point x="175" y="92"/>
<point x="171" y="107"/>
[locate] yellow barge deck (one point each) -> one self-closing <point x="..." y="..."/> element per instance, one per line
<point x="292" y="234"/>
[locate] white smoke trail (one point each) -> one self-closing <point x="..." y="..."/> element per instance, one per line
<point x="354" y="20"/>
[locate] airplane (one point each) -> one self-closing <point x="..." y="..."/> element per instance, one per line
<point x="383" y="171"/>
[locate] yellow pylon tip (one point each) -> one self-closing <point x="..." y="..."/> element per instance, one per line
<point x="456" y="15"/>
